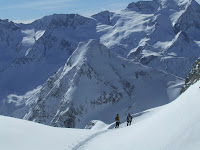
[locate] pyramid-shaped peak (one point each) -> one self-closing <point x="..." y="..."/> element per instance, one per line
<point x="93" y="48"/>
<point x="103" y="17"/>
<point x="67" y="20"/>
<point x="89" y="51"/>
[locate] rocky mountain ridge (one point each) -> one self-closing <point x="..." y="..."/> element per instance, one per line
<point x="193" y="76"/>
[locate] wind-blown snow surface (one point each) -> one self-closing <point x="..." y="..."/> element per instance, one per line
<point x="18" y="134"/>
<point x="175" y="126"/>
<point x="95" y="84"/>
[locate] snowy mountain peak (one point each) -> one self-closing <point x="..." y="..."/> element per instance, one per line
<point x="5" y="24"/>
<point x="103" y="17"/>
<point x="92" y="82"/>
<point x="146" y="7"/>
<point x="91" y="50"/>
<point x="57" y="21"/>
<point x="170" y="3"/>
<point x="189" y="18"/>
<point x="67" y="20"/>
<point x="149" y="7"/>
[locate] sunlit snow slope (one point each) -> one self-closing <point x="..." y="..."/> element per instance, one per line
<point x="175" y="126"/>
<point x="16" y="134"/>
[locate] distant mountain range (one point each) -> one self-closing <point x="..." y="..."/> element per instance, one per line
<point x="46" y="78"/>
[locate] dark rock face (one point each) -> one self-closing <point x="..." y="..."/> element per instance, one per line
<point x="190" y="18"/>
<point x="193" y="76"/>
<point x="146" y="7"/>
<point x="104" y="17"/>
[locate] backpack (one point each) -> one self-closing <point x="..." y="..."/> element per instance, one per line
<point x="129" y="118"/>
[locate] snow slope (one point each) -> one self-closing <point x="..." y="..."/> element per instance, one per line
<point x="174" y="126"/>
<point x="18" y="134"/>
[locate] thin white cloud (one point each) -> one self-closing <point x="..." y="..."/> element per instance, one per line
<point x="110" y="6"/>
<point x="24" y="21"/>
<point x="37" y="4"/>
<point x="40" y="8"/>
<point x="87" y="13"/>
<point x="50" y="7"/>
<point x="114" y="7"/>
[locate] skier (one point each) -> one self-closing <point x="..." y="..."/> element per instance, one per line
<point x="129" y="119"/>
<point x="117" y="121"/>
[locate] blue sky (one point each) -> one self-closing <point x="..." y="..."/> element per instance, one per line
<point x="28" y="10"/>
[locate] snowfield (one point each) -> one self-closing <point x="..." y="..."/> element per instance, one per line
<point x="174" y="126"/>
<point x="16" y="134"/>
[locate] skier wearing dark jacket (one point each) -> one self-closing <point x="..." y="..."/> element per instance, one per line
<point x="117" y="120"/>
<point x="129" y="119"/>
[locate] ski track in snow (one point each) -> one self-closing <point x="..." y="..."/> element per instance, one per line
<point x="80" y="146"/>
